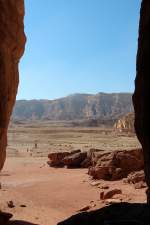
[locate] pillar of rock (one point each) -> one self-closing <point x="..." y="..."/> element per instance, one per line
<point x="141" y="97"/>
<point x="12" y="42"/>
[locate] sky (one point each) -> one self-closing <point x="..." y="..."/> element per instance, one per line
<point x="78" y="46"/>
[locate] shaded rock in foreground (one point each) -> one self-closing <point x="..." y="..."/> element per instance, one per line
<point x="110" y="193"/>
<point x="115" y="212"/>
<point x="116" y="165"/>
<point x="136" y="177"/>
<point x="12" y="42"/>
<point x="4" y="218"/>
<point x="20" y="222"/>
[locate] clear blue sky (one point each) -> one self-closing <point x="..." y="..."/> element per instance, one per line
<point x="78" y="46"/>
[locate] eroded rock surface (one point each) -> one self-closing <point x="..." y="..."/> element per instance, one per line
<point x="125" y="124"/>
<point x="12" y="42"/>
<point x="75" y="160"/>
<point x="56" y="159"/>
<point x="142" y="88"/>
<point x="116" y="165"/>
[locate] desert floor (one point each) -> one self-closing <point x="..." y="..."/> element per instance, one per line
<point x="44" y="195"/>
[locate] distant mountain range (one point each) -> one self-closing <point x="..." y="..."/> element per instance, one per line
<point x="101" y="106"/>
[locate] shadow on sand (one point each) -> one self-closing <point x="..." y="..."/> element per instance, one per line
<point x="20" y="222"/>
<point x="133" y="214"/>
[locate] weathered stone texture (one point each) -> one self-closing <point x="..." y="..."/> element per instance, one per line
<point x="141" y="95"/>
<point x="12" y="42"/>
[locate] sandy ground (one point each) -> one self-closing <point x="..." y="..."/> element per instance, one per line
<point x="51" y="137"/>
<point x="51" y="195"/>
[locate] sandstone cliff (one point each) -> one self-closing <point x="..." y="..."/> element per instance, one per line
<point x="12" y="41"/>
<point x="76" y="107"/>
<point x="126" y="123"/>
<point x="142" y="92"/>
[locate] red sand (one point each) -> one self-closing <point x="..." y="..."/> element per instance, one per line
<point x="50" y="194"/>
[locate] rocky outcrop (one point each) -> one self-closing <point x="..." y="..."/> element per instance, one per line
<point x="12" y="42"/>
<point x="142" y="86"/>
<point x="112" y="165"/>
<point x="115" y="165"/>
<point x="56" y="159"/>
<point x="125" y="124"/>
<point x="136" y="178"/>
<point x="75" y="160"/>
<point x="110" y="194"/>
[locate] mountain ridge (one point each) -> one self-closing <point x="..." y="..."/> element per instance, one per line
<point x="75" y="106"/>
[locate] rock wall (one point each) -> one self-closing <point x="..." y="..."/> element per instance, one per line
<point x="12" y="42"/>
<point x="125" y="124"/>
<point x="141" y="97"/>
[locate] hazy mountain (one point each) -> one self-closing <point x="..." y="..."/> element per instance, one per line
<point x="75" y="107"/>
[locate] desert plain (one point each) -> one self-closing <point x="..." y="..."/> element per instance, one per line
<point x="34" y="192"/>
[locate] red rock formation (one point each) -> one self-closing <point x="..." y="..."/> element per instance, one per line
<point x="12" y="42"/>
<point x="75" y="160"/>
<point x="125" y="124"/>
<point x="141" y="95"/>
<point x="115" y="165"/>
<point x="56" y="159"/>
<point x="136" y="177"/>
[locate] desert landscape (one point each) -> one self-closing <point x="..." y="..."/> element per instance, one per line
<point x="33" y="191"/>
<point x="75" y="159"/>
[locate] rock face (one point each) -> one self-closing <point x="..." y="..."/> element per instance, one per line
<point x="72" y="159"/>
<point x="142" y="88"/>
<point x="116" y="165"/>
<point x="93" y="109"/>
<point x="75" y="160"/>
<point x="56" y="159"/>
<point x="12" y="42"/>
<point x="125" y="124"/>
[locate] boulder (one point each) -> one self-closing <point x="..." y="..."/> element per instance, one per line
<point x="135" y="177"/>
<point x="88" y="160"/>
<point x="75" y="160"/>
<point x="110" y="194"/>
<point x="115" y="165"/>
<point x="140" y="185"/>
<point x="86" y="163"/>
<point x="56" y="158"/>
